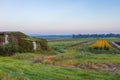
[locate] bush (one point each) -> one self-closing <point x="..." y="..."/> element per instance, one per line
<point x="100" y="45"/>
<point x="25" y="46"/>
<point x="43" y="44"/>
<point x="8" y="49"/>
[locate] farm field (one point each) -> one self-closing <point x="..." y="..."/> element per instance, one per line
<point x="65" y="60"/>
<point x="60" y="40"/>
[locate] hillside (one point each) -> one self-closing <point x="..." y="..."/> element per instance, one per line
<point x="12" y="42"/>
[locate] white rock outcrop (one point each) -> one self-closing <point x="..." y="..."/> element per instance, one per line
<point x="34" y="45"/>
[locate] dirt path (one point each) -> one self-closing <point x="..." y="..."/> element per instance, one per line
<point x="79" y="44"/>
<point x="115" y="44"/>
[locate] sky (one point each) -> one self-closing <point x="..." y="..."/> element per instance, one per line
<point x="60" y="16"/>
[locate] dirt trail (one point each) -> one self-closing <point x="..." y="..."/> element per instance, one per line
<point x="79" y="44"/>
<point x="115" y="44"/>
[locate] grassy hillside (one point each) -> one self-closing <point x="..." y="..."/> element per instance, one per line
<point x="20" y="42"/>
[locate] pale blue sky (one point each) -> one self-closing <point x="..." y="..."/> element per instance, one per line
<point x="60" y="16"/>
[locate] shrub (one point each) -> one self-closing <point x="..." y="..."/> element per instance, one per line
<point x="25" y="45"/>
<point x="18" y="34"/>
<point x="100" y="45"/>
<point x="43" y="44"/>
<point x="8" y="49"/>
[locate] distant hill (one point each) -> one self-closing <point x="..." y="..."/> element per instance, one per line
<point x="50" y="36"/>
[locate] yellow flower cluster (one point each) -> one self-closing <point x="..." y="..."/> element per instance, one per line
<point x="102" y="44"/>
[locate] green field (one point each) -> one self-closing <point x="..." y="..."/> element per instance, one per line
<point x="65" y="60"/>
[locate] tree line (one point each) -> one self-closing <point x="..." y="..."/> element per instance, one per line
<point x="95" y="35"/>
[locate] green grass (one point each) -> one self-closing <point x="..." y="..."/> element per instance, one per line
<point x="65" y="43"/>
<point x="60" y="45"/>
<point x="22" y="66"/>
<point x="112" y="39"/>
<point x="14" y="69"/>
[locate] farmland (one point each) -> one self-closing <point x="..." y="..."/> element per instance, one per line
<point x="66" y="59"/>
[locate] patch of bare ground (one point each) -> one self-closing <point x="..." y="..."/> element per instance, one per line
<point x="111" y="68"/>
<point x="116" y="44"/>
<point x="53" y="60"/>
